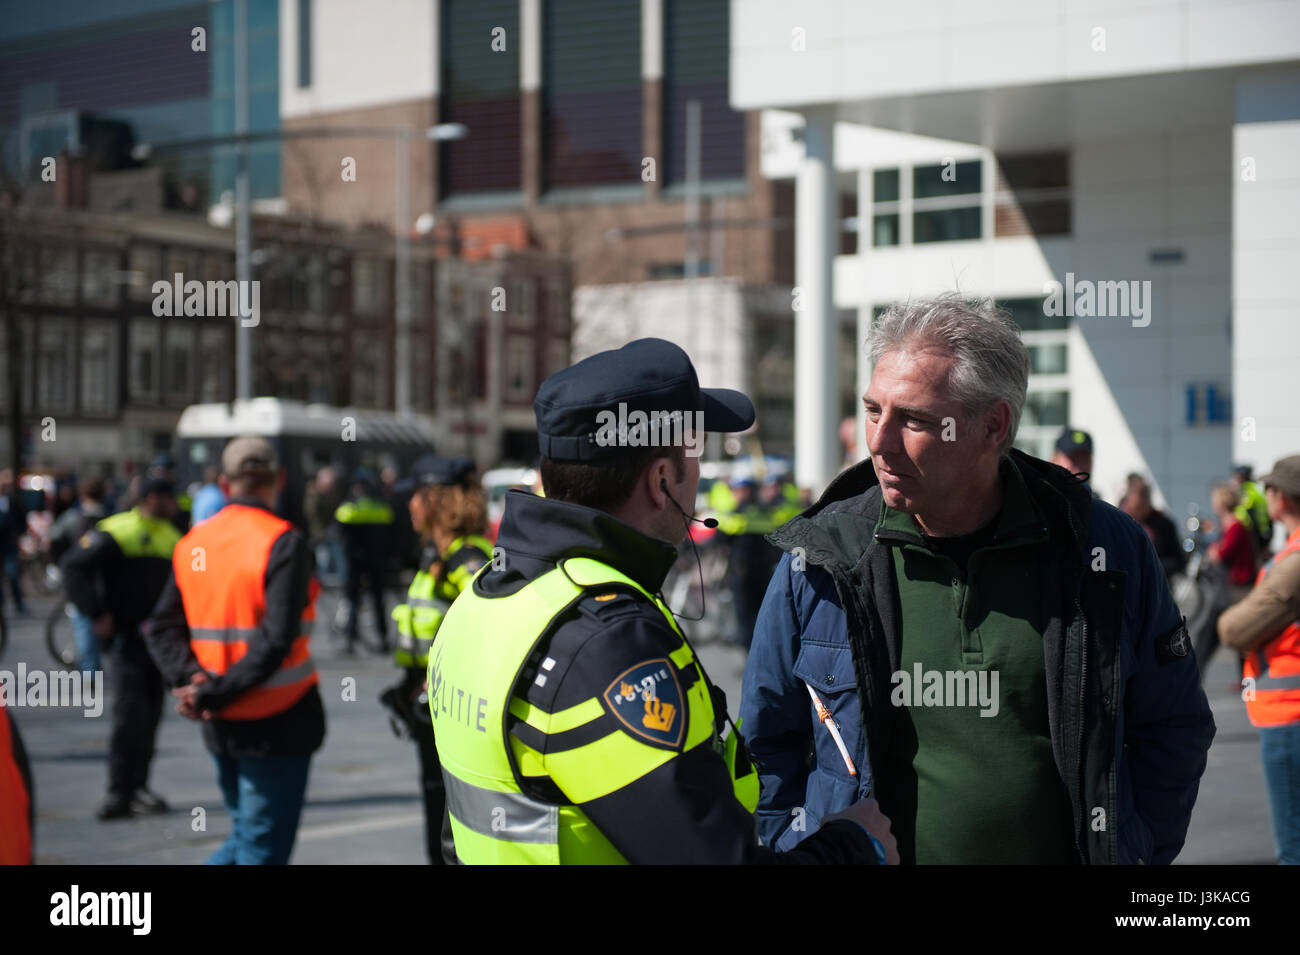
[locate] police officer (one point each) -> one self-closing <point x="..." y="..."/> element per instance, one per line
<point x="574" y="722"/>
<point x="449" y="512"/>
<point x="1253" y="509"/>
<point x="114" y="576"/>
<point x="365" y="520"/>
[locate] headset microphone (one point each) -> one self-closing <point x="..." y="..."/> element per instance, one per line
<point x="699" y="567"/>
<point x="706" y="521"/>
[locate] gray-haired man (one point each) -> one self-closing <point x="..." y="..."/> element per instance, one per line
<point x="1009" y="673"/>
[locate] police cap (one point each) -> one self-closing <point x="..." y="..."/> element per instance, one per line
<point x="1074" y="441"/>
<point x="650" y="376"/>
<point x="433" y="469"/>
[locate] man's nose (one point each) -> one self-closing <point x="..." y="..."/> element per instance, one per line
<point x="882" y="436"/>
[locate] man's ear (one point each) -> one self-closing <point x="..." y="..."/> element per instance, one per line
<point x="657" y="475"/>
<point x="997" y="423"/>
<point x="223" y="482"/>
<point x="280" y="479"/>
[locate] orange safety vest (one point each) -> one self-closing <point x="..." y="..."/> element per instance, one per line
<point x="1275" y="667"/>
<point x="15" y="802"/>
<point x="223" y="587"/>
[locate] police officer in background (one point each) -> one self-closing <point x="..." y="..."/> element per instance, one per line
<point x="365" y="521"/>
<point x="114" y="575"/>
<point x="449" y="512"/>
<point x="574" y="722"/>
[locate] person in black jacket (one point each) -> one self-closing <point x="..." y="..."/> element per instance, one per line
<point x="114" y="576"/>
<point x="1137" y="504"/>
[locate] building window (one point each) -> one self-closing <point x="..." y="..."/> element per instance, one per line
<point x="480" y="44"/>
<point x="179" y="367"/>
<point x="1047" y="409"/>
<point x="885" y="207"/>
<point x="520" y="305"/>
<point x="1031" y="316"/>
<point x="144" y="360"/>
<point x="557" y="356"/>
<point x="58" y="277"/>
<point x="1048" y="359"/>
<point x="591" y="92"/>
<point x="214" y="360"/>
<point x="99" y="278"/>
<point x="367" y="286"/>
<point x="304" y="43"/>
<point x="145" y="266"/>
<point x="946" y="202"/>
<point x="696" y="53"/>
<point x="947" y="179"/>
<point x="884" y="229"/>
<point x="369" y="371"/>
<point x="99" y="368"/>
<point x="1033" y="195"/>
<point x="946" y="225"/>
<point x="55" y="369"/>
<point x="1047" y="403"/>
<point x="519" y="371"/>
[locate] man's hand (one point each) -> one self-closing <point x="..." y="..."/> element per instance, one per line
<point x="103" y="626"/>
<point x="866" y="813"/>
<point x="185" y="697"/>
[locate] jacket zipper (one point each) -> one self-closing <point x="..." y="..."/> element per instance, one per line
<point x="1083" y="705"/>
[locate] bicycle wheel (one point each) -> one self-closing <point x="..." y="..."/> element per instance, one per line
<point x="60" y="638"/>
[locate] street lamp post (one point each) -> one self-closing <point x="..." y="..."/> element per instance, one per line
<point x="443" y="132"/>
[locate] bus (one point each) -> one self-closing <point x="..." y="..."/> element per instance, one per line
<point x="307" y="437"/>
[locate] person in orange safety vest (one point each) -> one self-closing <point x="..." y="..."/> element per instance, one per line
<point x="231" y="633"/>
<point x="1265" y="629"/>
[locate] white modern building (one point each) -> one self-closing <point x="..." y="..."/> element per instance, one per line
<point x="1147" y="151"/>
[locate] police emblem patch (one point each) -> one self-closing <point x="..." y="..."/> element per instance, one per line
<point x="647" y="700"/>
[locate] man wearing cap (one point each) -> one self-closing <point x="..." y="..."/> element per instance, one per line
<point x="231" y="633"/>
<point x="114" y="575"/>
<point x="1074" y="452"/>
<point x="449" y="512"/>
<point x="574" y="722"/>
<point x="1265" y="629"/>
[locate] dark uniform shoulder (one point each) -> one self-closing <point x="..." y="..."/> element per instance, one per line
<point x="618" y="648"/>
<point x="470" y="557"/>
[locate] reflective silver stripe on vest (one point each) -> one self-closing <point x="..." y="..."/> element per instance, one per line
<point x="1267" y="682"/>
<point x="224" y="634"/>
<point x="510" y="816"/>
<point x="292" y="675"/>
<point x="425" y="602"/>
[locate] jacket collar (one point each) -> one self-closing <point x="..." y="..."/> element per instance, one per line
<point x="1018" y="520"/>
<point x="846" y="516"/>
<point x="549" y="531"/>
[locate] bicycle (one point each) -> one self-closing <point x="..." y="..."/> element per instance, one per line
<point x="60" y="637"/>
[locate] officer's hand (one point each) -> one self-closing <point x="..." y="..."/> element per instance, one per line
<point x="103" y="625"/>
<point x="866" y="813"/>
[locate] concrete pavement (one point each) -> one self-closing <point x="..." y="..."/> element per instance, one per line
<point x="363" y="802"/>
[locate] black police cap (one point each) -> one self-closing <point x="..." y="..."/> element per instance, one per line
<point x="433" y="469"/>
<point x="1074" y="441"/>
<point x="649" y="375"/>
